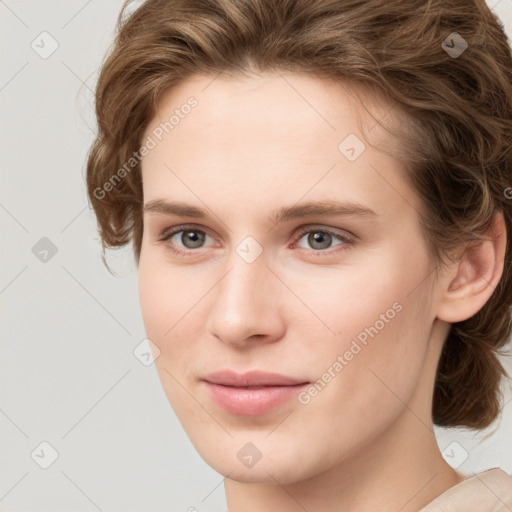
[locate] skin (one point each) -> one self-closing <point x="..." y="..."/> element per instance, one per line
<point x="254" y="144"/>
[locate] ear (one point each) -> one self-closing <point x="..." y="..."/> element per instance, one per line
<point x="472" y="279"/>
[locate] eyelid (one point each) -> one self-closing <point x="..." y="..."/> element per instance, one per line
<point x="169" y="232"/>
<point x="342" y="234"/>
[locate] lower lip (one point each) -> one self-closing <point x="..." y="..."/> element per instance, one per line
<point x="251" y="402"/>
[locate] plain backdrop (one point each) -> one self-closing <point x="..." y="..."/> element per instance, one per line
<point x="73" y="395"/>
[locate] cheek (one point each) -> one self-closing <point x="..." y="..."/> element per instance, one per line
<point x="173" y="302"/>
<point x="356" y="397"/>
<point x="166" y="294"/>
<point x="365" y="300"/>
<point x="381" y="320"/>
<point x="164" y="307"/>
<point x="154" y="302"/>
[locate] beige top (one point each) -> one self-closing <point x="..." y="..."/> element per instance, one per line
<point x="488" y="491"/>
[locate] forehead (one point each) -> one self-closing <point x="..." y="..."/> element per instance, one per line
<point x="273" y="100"/>
<point x="292" y="132"/>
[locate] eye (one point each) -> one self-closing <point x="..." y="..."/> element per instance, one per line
<point x="188" y="237"/>
<point x="321" y="239"/>
<point x="183" y="240"/>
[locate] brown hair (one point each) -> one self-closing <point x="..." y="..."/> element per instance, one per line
<point x="456" y="142"/>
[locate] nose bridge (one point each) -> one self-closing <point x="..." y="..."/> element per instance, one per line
<point x="243" y="303"/>
<point x="244" y="284"/>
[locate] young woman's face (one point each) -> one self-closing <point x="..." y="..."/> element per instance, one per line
<point x="307" y="261"/>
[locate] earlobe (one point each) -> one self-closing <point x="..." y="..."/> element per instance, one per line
<point x="472" y="279"/>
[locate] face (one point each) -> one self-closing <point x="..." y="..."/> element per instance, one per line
<point x="275" y="242"/>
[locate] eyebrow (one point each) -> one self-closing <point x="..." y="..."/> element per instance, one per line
<point x="285" y="213"/>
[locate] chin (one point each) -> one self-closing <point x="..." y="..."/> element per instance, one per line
<point x="262" y="460"/>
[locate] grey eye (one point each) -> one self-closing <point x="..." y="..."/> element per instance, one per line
<point x="190" y="238"/>
<point x="319" y="240"/>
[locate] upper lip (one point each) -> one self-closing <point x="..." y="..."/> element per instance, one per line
<point x="253" y="378"/>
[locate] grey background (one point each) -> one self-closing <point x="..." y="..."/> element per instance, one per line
<point x="68" y="373"/>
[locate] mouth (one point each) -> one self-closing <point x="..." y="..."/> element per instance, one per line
<point x="251" y="394"/>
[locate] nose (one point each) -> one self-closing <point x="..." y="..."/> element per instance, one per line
<point x="245" y="304"/>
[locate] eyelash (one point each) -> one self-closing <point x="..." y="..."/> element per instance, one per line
<point x="347" y="240"/>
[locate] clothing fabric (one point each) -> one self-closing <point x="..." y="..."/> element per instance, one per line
<point x="488" y="491"/>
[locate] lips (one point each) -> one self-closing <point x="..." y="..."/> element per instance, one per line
<point x="253" y="379"/>
<point x="253" y="393"/>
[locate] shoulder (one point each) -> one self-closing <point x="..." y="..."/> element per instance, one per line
<point x="488" y="491"/>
